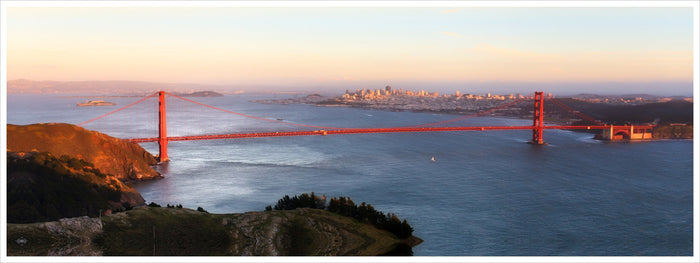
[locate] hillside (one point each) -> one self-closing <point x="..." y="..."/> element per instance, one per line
<point x="42" y="187"/>
<point x="113" y="156"/>
<point x="163" y="231"/>
<point x="664" y="112"/>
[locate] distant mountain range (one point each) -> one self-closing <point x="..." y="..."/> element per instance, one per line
<point x="624" y="96"/>
<point x="24" y="86"/>
<point x="126" y="87"/>
<point x="201" y="94"/>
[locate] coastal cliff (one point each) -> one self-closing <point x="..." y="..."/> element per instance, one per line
<point x="113" y="156"/>
<point x="160" y="231"/>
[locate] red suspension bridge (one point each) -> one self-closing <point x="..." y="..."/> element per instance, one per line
<point x="247" y="126"/>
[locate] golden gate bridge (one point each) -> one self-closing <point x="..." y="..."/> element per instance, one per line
<point x="567" y="118"/>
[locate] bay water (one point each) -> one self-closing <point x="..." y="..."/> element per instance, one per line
<point x="487" y="192"/>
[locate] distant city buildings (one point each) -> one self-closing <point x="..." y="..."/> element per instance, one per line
<point x="389" y="98"/>
<point x="399" y="99"/>
<point x="424" y="100"/>
<point x="388" y="92"/>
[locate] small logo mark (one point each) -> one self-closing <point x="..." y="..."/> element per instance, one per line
<point x="21" y="241"/>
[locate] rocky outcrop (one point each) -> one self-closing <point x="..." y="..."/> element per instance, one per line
<point x="123" y="159"/>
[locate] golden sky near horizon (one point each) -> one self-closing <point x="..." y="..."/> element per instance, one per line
<point x="276" y="45"/>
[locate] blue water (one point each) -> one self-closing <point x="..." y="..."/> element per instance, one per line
<point x="488" y="193"/>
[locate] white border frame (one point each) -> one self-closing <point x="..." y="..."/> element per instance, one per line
<point x="3" y="119"/>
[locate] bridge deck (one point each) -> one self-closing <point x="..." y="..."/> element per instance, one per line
<point x="364" y="130"/>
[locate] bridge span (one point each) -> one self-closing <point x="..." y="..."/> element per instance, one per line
<point x="358" y="131"/>
<point x="537" y="127"/>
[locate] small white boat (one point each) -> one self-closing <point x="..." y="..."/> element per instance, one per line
<point x="432" y="159"/>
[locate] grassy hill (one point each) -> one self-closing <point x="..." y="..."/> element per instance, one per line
<point x="125" y="160"/>
<point x="146" y="231"/>
<point x="664" y="112"/>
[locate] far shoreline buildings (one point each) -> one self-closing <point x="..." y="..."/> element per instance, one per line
<point x="388" y="92"/>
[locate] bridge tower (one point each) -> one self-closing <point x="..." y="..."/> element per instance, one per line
<point x="538" y="119"/>
<point x="162" y="129"/>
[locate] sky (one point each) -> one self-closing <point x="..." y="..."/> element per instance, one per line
<point x="510" y="49"/>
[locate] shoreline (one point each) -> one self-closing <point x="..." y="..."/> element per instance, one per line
<point x="442" y="112"/>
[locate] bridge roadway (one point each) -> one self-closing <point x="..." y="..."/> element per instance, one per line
<point x="365" y="130"/>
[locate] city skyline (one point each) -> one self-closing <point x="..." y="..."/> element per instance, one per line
<point x="499" y="49"/>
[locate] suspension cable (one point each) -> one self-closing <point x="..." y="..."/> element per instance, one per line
<point x="483" y="112"/>
<point x="575" y="112"/>
<point x="117" y="110"/>
<point x="253" y="117"/>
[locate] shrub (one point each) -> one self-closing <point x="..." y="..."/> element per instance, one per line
<point x="43" y="188"/>
<point x="346" y="207"/>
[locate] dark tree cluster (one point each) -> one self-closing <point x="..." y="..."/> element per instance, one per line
<point x="367" y="214"/>
<point x="346" y="207"/>
<point x="45" y="188"/>
<point x="302" y="201"/>
<point x="178" y="206"/>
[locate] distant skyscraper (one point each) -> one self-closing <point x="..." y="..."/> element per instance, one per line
<point x="457" y="93"/>
<point x="388" y="88"/>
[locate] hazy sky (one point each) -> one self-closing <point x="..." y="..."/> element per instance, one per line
<point x="624" y="48"/>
